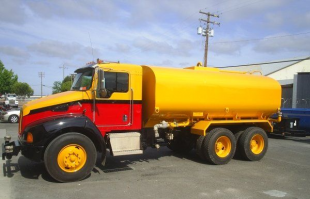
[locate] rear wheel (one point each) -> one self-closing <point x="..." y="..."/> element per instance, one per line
<point x="219" y="146"/>
<point x="70" y="157"/>
<point x="13" y="119"/>
<point x="253" y="144"/>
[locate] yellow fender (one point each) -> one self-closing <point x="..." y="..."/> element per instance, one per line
<point x="201" y="127"/>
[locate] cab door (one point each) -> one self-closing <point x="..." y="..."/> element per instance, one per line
<point x="113" y="110"/>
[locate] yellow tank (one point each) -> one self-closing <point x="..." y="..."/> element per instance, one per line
<point x="195" y="93"/>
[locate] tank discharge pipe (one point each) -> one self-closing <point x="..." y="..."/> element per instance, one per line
<point x="279" y="117"/>
<point x="162" y="125"/>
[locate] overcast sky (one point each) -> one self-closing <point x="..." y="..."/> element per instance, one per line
<point x="43" y="35"/>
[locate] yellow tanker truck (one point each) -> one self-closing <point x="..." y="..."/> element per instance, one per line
<point x="126" y="108"/>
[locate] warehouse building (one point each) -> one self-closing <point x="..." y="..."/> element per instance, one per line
<point x="293" y="75"/>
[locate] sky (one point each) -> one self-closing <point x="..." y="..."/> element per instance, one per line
<point x="45" y="35"/>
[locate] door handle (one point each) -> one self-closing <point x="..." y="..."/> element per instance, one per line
<point x="125" y="118"/>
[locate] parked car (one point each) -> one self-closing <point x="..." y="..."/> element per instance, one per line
<point x="10" y="116"/>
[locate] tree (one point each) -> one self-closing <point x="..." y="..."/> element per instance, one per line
<point x="22" y="88"/>
<point x="66" y="86"/>
<point x="57" y="87"/>
<point x="67" y="79"/>
<point x="7" y="79"/>
<point x="63" y="86"/>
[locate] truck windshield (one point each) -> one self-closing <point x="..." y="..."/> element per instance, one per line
<point x="82" y="80"/>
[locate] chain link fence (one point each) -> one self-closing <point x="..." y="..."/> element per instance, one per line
<point x="300" y="103"/>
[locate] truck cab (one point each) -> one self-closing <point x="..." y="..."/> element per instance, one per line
<point x="104" y="98"/>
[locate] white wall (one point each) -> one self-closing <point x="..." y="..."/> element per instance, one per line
<point x="289" y="72"/>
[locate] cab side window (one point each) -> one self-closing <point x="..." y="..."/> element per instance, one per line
<point x="116" y="82"/>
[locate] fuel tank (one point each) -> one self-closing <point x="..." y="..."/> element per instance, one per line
<point x="175" y="94"/>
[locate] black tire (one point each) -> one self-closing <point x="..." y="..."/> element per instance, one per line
<point x="13" y="119"/>
<point x="199" y="143"/>
<point x="54" y="150"/>
<point x="228" y="148"/>
<point x="257" y="136"/>
<point x="237" y="137"/>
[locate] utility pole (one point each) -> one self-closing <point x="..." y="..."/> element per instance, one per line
<point x="41" y="75"/>
<point x="63" y="71"/>
<point x="207" y="32"/>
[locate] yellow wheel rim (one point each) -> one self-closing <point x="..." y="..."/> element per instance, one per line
<point x="72" y="158"/>
<point x="257" y="144"/>
<point x="222" y="146"/>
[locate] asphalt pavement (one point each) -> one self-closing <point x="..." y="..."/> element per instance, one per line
<point x="283" y="173"/>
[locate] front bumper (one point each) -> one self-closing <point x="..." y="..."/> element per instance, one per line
<point x="10" y="149"/>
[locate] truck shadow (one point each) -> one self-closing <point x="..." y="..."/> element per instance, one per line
<point x="33" y="170"/>
<point x="28" y="169"/>
<point x="36" y="170"/>
<point x="124" y="163"/>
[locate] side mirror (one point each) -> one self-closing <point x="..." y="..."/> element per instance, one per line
<point x="101" y="84"/>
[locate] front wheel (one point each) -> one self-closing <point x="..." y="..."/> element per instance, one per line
<point x="70" y="157"/>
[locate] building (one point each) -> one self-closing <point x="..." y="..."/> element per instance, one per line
<point x="293" y="75"/>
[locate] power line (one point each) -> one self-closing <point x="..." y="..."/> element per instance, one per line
<point x="256" y="39"/>
<point x="275" y="62"/>
<point x="208" y="7"/>
<point x="238" y="7"/>
<point x="47" y="86"/>
<point x="187" y="18"/>
<point x="213" y="5"/>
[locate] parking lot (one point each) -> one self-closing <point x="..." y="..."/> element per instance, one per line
<point x="283" y="173"/>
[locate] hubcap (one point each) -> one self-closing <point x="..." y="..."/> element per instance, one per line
<point x="14" y="119"/>
<point x="257" y="144"/>
<point x="72" y="158"/>
<point x="222" y="146"/>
